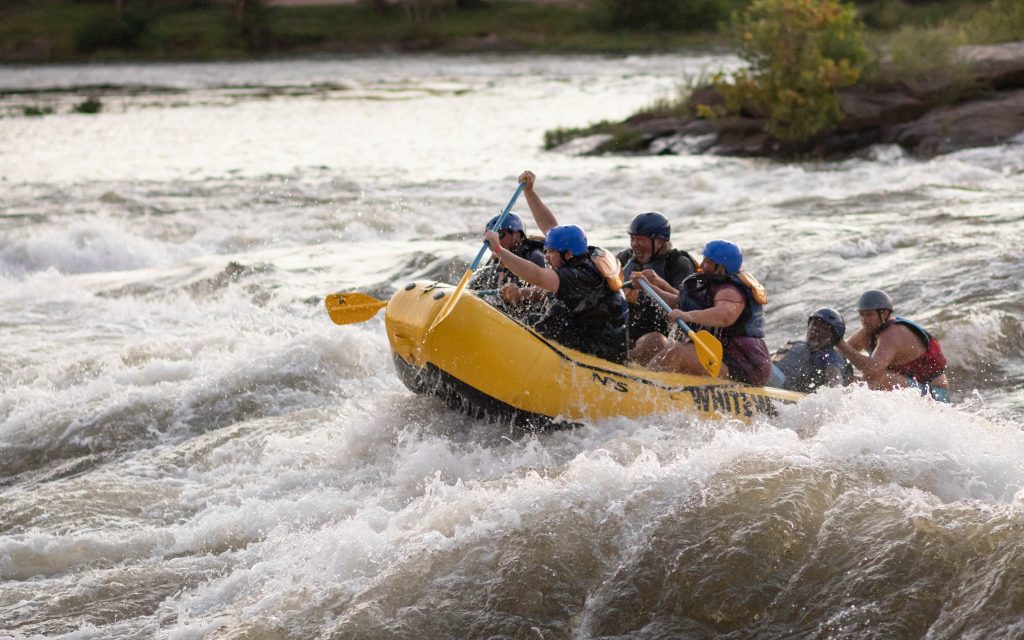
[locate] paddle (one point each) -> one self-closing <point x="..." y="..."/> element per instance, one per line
<point x="349" y="308"/>
<point x="709" y="349"/>
<point x="454" y="298"/>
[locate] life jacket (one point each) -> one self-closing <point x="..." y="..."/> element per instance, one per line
<point x="926" y="367"/>
<point x="608" y="266"/>
<point x="600" y="318"/>
<point x="698" y="292"/>
<point x="806" y="370"/>
<point x="494" y="274"/>
<point x="607" y="301"/>
<point x="531" y="249"/>
<point x="669" y="266"/>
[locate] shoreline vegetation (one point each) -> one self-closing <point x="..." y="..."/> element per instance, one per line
<point x="62" y="31"/>
<point x="824" y="78"/>
<point x="818" y="86"/>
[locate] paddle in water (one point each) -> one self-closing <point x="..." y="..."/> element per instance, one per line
<point x="454" y="298"/>
<point x="709" y="349"/>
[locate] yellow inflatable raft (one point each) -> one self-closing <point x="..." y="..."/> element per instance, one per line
<point x="480" y="361"/>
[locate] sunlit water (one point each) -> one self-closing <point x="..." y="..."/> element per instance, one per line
<point x="189" y="448"/>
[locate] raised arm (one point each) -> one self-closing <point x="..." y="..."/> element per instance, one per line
<point x="541" y="214"/>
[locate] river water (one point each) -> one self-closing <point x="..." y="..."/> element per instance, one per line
<point x="190" y="449"/>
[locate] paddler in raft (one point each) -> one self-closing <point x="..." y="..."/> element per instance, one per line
<point x="652" y="256"/>
<point x="903" y="353"/>
<point x="512" y="237"/>
<point x="589" y="311"/>
<point x="727" y="302"/>
<point x="813" y="363"/>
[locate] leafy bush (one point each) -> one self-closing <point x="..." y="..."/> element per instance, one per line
<point x="33" y="111"/>
<point x="660" y="15"/>
<point x="800" y="52"/>
<point x="927" y="61"/>
<point x="89" y="105"/>
<point x="1003" y="21"/>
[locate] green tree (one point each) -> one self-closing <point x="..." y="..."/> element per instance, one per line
<point x="799" y="53"/>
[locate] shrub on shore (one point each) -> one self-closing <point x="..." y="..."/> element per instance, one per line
<point x="799" y="52"/>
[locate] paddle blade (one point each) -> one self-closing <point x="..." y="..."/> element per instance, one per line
<point x="709" y="351"/>
<point x="452" y="300"/>
<point x="349" y="308"/>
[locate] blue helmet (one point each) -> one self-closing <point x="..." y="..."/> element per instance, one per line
<point x="832" y="318"/>
<point x="567" y="237"/>
<point x="650" y="225"/>
<point x="512" y="222"/>
<point x="726" y="254"/>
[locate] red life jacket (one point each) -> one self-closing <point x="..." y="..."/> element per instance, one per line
<point x="929" y="365"/>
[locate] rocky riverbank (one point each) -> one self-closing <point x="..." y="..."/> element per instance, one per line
<point x="915" y="116"/>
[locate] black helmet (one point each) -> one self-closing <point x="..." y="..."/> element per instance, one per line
<point x="832" y="318"/>
<point x="874" y="300"/>
<point x="650" y="225"/>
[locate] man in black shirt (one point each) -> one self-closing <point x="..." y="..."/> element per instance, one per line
<point x="652" y="258"/>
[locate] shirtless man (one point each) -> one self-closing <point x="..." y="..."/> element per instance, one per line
<point x="902" y="353"/>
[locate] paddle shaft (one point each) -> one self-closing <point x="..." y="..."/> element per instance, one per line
<point x="712" y="352"/>
<point x="497" y="225"/>
<point x="664" y="305"/>
<point x="450" y="304"/>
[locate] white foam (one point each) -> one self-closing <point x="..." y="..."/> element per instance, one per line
<point x="84" y="246"/>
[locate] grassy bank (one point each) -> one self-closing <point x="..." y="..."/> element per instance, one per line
<point x="66" y="30"/>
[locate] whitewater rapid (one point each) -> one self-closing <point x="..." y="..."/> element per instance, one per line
<point x="190" y="449"/>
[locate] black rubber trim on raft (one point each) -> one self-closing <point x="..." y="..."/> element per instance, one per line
<point x="627" y="376"/>
<point x="459" y="396"/>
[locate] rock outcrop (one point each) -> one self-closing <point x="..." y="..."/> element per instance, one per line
<point x="988" y="109"/>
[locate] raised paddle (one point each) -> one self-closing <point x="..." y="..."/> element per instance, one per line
<point x="709" y="349"/>
<point x="454" y="298"/>
<point x="349" y="308"/>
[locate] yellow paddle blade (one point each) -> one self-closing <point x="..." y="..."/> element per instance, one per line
<point x="450" y="303"/>
<point x="709" y="351"/>
<point x="349" y="308"/>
